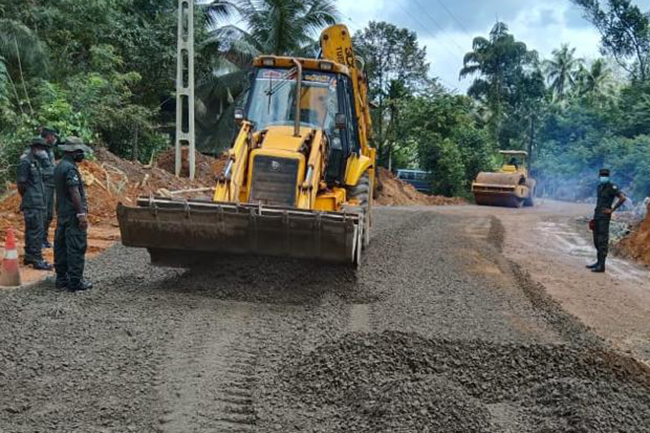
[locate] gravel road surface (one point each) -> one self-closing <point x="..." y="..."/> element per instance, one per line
<point x="438" y="332"/>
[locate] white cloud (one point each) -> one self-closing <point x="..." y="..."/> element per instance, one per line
<point x="542" y="24"/>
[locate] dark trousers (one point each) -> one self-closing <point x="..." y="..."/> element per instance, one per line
<point x="70" y="243"/>
<point x="601" y="236"/>
<point x="33" y="235"/>
<point x="48" y="216"/>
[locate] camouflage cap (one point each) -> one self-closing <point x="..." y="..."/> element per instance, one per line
<point x="73" y="144"/>
<point x="46" y="130"/>
<point x="38" y="141"/>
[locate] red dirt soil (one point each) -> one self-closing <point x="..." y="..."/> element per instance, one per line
<point x="206" y="167"/>
<point x="637" y="245"/>
<point x="109" y="180"/>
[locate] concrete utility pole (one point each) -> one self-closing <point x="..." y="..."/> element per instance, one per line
<point x="185" y="86"/>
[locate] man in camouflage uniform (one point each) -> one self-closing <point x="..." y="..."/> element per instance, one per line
<point x="47" y="164"/>
<point x="32" y="192"/>
<point x="607" y="192"/>
<point x="70" y="240"/>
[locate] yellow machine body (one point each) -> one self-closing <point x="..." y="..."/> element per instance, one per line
<point x="511" y="186"/>
<point x="298" y="181"/>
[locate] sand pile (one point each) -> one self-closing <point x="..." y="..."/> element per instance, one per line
<point x="391" y="191"/>
<point x="637" y="245"/>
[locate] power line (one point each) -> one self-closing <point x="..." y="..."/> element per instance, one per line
<point x="433" y="20"/>
<point x="424" y="27"/>
<point x="453" y="16"/>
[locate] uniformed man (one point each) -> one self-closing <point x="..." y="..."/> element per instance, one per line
<point x="50" y="136"/>
<point x="32" y="192"/>
<point x="607" y="192"/>
<point x="70" y="240"/>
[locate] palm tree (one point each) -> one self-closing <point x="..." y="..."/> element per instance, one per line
<point x="561" y="71"/>
<point x="493" y="60"/>
<point x="596" y="80"/>
<point x="279" y="27"/>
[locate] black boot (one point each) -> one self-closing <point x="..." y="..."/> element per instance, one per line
<point x="42" y="265"/>
<point x="594" y="266"/>
<point x="61" y="283"/>
<point x="600" y="266"/>
<point x="79" y="286"/>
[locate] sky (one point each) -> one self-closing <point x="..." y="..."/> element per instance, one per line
<point x="447" y="27"/>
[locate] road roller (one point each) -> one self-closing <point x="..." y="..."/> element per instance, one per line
<point x="512" y="186"/>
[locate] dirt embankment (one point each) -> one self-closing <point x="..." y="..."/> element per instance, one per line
<point x="110" y="180"/>
<point x="637" y="245"/>
<point x="207" y="167"/>
<point x="392" y="191"/>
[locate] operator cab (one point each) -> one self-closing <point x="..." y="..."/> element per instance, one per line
<point x="326" y="103"/>
<point x="513" y="160"/>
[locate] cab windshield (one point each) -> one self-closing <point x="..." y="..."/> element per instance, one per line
<point x="273" y="99"/>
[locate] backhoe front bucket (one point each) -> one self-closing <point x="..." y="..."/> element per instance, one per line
<point x="193" y="233"/>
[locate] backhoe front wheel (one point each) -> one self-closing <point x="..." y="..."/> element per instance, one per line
<point x="361" y="193"/>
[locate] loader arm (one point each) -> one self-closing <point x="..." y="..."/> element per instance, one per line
<point x="315" y="165"/>
<point x="230" y="183"/>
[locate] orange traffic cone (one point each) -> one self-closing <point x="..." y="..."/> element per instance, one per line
<point x="9" y="271"/>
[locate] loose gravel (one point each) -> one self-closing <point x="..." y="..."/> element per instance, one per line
<point x="437" y="332"/>
<point x="401" y="382"/>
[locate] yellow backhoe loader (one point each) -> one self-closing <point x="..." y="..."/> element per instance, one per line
<point x="511" y="187"/>
<point x="299" y="177"/>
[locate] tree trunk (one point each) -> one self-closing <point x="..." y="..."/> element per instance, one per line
<point x="22" y="77"/>
<point x="531" y="144"/>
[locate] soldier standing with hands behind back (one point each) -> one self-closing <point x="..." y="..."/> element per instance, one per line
<point x="607" y="192"/>
<point x="32" y="192"/>
<point x="71" y="238"/>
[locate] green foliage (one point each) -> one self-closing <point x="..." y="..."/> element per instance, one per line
<point x="508" y="83"/>
<point x="396" y="70"/>
<point x="625" y="32"/>
<point x="562" y="71"/>
<point x="448" y="139"/>
<point x="100" y="69"/>
<point x="589" y="133"/>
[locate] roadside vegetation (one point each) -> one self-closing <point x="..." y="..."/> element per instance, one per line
<point x="105" y="70"/>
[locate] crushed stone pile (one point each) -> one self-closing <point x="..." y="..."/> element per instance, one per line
<point x="637" y="244"/>
<point x="391" y="191"/>
<point x="402" y="382"/>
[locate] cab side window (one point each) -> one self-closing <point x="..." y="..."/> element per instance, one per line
<point x="347" y="104"/>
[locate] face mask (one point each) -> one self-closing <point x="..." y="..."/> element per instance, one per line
<point x="41" y="154"/>
<point x="78" y="157"/>
<point x="604" y="179"/>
